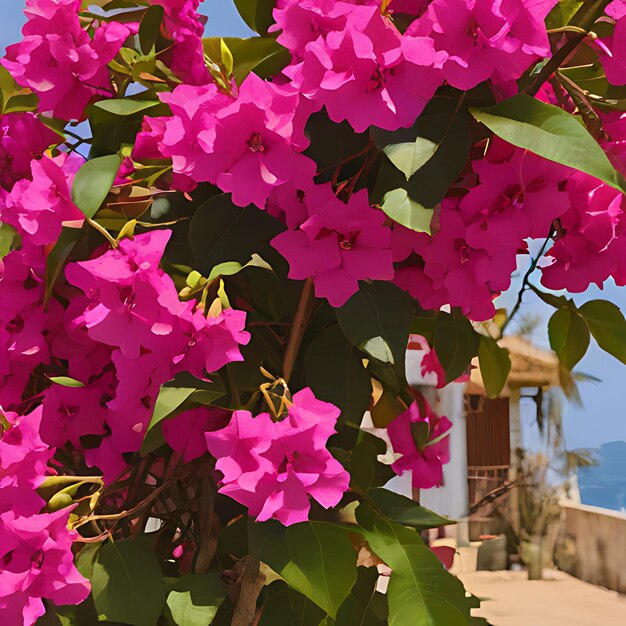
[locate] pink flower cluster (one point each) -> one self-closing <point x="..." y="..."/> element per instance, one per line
<point x="513" y="196"/>
<point x="60" y="61"/>
<point x="123" y="335"/>
<point x="273" y="467"/>
<point x="345" y="53"/>
<point x="421" y="439"/>
<point x="36" y="560"/>
<point x="246" y="145"/>
<point x="485" y="39"/>
<point x="335" y="244"/>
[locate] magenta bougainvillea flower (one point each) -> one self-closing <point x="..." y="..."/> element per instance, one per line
<point x="338" y="244"/>
<point x="421" y="438"/>
<point x="185" y="26"/>
<point x="391" y="76"/>
<point x="37" y="208"/>
<point x="247" y="145"/>
<point x="22" y="138"/>
<point x="36" y="562"/>
<point x="519" y="195"/>
<point x="273" y="467"/>
<point x="304" y="21"/>
<point x="591" y="244"/>
<point x="486" y="39"/>
<point x="23" y="461"/>
<point x="59" y="60"/>
<point x="612" y="49"/>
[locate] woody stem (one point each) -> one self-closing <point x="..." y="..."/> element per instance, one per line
<point x="298" y="328"/>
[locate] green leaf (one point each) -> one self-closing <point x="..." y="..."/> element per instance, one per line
<point x="334" y="371"/>
<point x="607" y="325"/>
<point x="420" y="592"/>
<point x="410" y="156"/>
<point x="127" y="584"/>
<point x="551" y="133"/>
<point x="257" y="14"/>
<point x="365" y="470"/>
<point x="125" y="106"/>
<point x="7" y="237"/>
<point x="230" y="268"/>
<point x="66" y="381"/>
<point x="456" y="344"/>
<point x="364" y="604"/>
<point x="93" y="181"/>
<point x="315" y="558"/>
<point x="495" y="365"/>
<point x="403" y="209"/>
<point x="195" y="599"/>
<point x="406" y="511"/>
<point x="150" y="28"/>
<point x="222" y="232"/>
<point x="569" y="337"/>
<point x="430" y="183"/>
<point x="56" y="258"/>
<point x="379" y="309"/>
<point x="379" y="349"/>
<point x="227" y="57"/>
<point x="287" y="606"/>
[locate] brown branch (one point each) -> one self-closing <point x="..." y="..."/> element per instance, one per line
<point x="298" y="328"/>
<point x="251" y="583"/>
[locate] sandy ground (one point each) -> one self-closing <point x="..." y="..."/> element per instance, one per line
<point x="509" y="599"/>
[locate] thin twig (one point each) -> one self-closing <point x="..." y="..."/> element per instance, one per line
<point x="525" y="284"/>
<point x="297" y="330"/>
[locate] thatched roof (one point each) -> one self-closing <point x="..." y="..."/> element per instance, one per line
<point x="530" y="367"/>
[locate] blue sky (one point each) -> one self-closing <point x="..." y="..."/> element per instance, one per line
<point x="603" y="417"/>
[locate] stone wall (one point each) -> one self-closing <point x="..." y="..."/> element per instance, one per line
<point x="598" y="539"/>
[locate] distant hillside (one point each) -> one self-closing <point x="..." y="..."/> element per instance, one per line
<point x="605" y="485"/>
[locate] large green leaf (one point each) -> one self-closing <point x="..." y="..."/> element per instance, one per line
<point x="195" y="599"/>
<point x="93" y="181"/>
<point x="420" y="592"/>
<point x="401" y="208"/>
<point x="456" y="344"/>
<point x="495" y="365"/>
<point x="257" y="14"/>
<point x="364" y="606"/>
<point x="405" y="511"/>
<point x="607" y="325"/>
<point x="334" y="371"/>
<point x="315" y="558"/>
<point x="126" y="582"/>
<point x="221" y="232"/>
<point x="569" y="336"/>
<point x="383" y="310"/>
<point x="287" y="606"/>
<point x="551" y="133"/>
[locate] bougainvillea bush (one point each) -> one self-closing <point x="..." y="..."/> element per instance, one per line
<point x="213" y="254"/>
